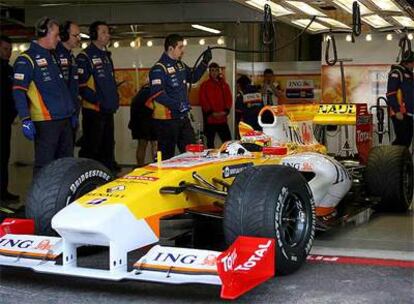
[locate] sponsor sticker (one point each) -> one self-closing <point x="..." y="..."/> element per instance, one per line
<point x="18" y="76"/>
<point x="31" y="246"/>
<point x="80" y="71"/>
<point x="64" y="61"/>
<point x="96" y="61"/>
<point x="142" y="178"/>
<point x="156" y="81"/>
<point x="179" y="260"/>
<point x="97" y="201"/>
<point x="41" y="62"/>
<point x="171" y="70"/>
<point x="115" y="189"/>
<point x="230" y="171"/>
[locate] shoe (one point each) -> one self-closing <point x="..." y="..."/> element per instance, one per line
<point x="9" y="197"/>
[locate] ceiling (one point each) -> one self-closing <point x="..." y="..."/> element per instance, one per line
<point x="377" y="15"/>
<point x="155" y="18"/>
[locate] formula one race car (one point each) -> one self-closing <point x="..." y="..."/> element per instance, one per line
<point x="278" y="185"/>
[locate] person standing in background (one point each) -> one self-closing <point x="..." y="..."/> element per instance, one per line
<point x="271" y="90"/>
<point x="8" y="114"/>
<point x="70" y="39"/>
<point x="100" y="99"/>
<point x="168" y="83"/>
<point x="43" y="100"/>
<point x="141" y="124"/>
<point x="215" y="101"/>
<point x="249" y="102"/>
<point x="400" y="99"/>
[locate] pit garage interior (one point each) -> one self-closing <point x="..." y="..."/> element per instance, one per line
<point x="367" y="258"/>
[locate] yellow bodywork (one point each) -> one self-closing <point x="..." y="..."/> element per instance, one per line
<point x="139" y="190"/>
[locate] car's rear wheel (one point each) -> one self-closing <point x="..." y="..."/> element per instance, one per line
<point x="59" y="184"/>
<point x="389" y="175"/>
<point x="273" y="202"/>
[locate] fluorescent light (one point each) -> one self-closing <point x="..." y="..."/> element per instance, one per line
<point x="333" y="22"/>
<point x="306" y="8"/>
<point x="84" y="36"/>
<point x="116" y="44"/>
<point x="202" y="42"/>
<point x="132" y="44"/>
<point x="404" y="21"/>
<point x="410" y="36"/>
<point x="185" y="41"/>
<point x="277" y="9"/>
<point x="315" y="26"/>
<point x="149" y="43"/>
<point x="348" y="38"/>
<point x="389" y="37"/>
<point x="386" y="5"/>
<point x="220" y="41"/>
<point x="54" y="4"/>
<point x="376" y="21"/>
<point x="205" y="28"/>
<point x="368" y="37"/>
<point x="347" y="5"/>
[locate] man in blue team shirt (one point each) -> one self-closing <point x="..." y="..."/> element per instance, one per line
<point x="69" y="33"/>
<point x="168" y="81"/>
<point x="400" y="98"/>
<point x="100" y="100"/>
<point x="43" y="101"/>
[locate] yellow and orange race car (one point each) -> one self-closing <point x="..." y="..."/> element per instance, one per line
<point x="278" y="184"/>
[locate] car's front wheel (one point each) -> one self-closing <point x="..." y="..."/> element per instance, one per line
<point x="59" y="184"/>
<point x="273" y="202"/>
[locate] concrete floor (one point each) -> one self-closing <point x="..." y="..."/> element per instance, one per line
<point x="388" y="236"/>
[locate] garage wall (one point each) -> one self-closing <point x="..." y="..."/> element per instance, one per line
<point x="127" y="57"/>
<point x="366" y="77"/>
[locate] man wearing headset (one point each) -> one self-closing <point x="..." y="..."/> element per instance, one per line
<point x="100" y="100"/>
<point x="69" y="33"/>
<point x="42" y="99"/>
<point x="168" y="81"/>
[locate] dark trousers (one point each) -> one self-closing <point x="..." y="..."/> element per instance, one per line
<point x="222" y="130"/>
<point x="53" y="140"/>
<point x="403" y="130"/>
<point x="5" y="137"/>
<point x="98" y="140"/>
<point x="171" y="133"/>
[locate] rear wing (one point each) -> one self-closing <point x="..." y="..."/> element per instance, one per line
<point x="295" y="123"/>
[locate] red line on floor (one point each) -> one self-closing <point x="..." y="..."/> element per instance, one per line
<point x="360" y="261"/>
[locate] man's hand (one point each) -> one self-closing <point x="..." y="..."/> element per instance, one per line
<point x="28" y="128"/>
<point x="207" y="56"/>
<point x="399" y="116"/>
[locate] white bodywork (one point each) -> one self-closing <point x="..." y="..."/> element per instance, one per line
<point x="200" y="264"/>
<point x="331" y="181"/>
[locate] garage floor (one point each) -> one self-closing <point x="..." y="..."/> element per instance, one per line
<point x="385" y="236"/>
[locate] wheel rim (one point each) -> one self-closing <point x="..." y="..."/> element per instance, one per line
<point x="293" y="221"/>
<point x="407" y="181"/>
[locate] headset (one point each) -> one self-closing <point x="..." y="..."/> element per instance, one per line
<point x="64" y="31"/>
<point x="93" y="29"/>
<point x="42" y="27"/>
